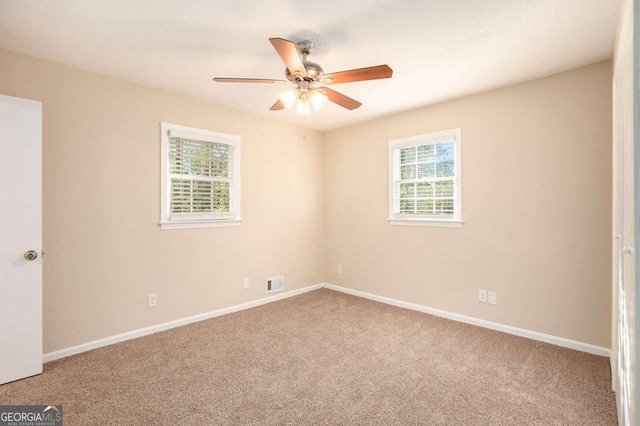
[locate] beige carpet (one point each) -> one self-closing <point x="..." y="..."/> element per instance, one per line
<point x="325" y="358"/>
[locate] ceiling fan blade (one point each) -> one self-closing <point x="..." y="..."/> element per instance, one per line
<point x="360" y="74"/>
<point x="289" y="54"/>
<point x="247" y="80"/>
<point x="277" y="106"/>
<point x="342" y="100"/>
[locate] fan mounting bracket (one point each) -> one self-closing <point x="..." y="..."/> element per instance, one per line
<point x="304" y="47"/>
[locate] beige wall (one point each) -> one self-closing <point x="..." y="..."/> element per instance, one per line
<point x="101" y="181"/>
<point x="536" y="170"/>
<point x="536" y="197"/>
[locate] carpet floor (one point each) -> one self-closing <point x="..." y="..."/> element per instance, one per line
<point x="325" y="358"/>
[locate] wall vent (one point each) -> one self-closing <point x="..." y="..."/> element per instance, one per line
<point x="275" y="284"/>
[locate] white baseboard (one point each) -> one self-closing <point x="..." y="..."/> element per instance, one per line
<point x="52" y="356"/>
<point x="554" y="340"/>
<point x="559" y="341"/>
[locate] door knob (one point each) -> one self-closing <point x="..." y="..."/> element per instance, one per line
<point x="31" y="255"/>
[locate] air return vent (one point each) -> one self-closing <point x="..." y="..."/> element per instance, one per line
<point x="274" y="284"/>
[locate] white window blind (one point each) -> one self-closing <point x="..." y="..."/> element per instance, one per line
<point x="424" y="178"/>
<point x="201" y="174"/>
<point x="201" y="177"/>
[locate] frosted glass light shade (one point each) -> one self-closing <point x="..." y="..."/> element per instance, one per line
<point x="303" y="108"/>
<point x="318" y="99"/>
<point x="289" y="98"/>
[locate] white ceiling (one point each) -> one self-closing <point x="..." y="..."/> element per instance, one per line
<point x="438" y="49"/>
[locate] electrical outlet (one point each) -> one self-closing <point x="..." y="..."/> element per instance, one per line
<point x="339" y="269"/>
<point x="482" y="296"/>
<point x="493" y="298"/>
<point x="245" y="283"/>
<point x="153" y="300"/>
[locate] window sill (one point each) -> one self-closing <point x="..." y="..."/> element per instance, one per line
<point x="440" y="223"/>
<point x="185" y="224"/>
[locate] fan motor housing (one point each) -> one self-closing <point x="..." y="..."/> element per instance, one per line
<point x="314" y="71"/>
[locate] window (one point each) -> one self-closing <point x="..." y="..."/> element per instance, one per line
<point x="200" y="178"/>
<point x="424" y="180"/>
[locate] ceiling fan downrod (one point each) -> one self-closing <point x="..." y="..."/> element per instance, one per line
<point x="313" y="70"/>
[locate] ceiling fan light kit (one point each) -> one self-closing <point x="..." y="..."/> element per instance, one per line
<point x="299" y="100"/>
<point x="309" y="79"/>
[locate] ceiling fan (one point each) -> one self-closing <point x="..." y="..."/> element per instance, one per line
<point x="309" y="79"/>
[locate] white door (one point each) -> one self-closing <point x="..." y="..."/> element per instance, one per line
<point x="20" y="232"/>
<point x="626" y="184"/>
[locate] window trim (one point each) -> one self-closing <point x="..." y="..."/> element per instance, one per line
<point x="422" y="220"/>
<point x="182" y="221"/>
